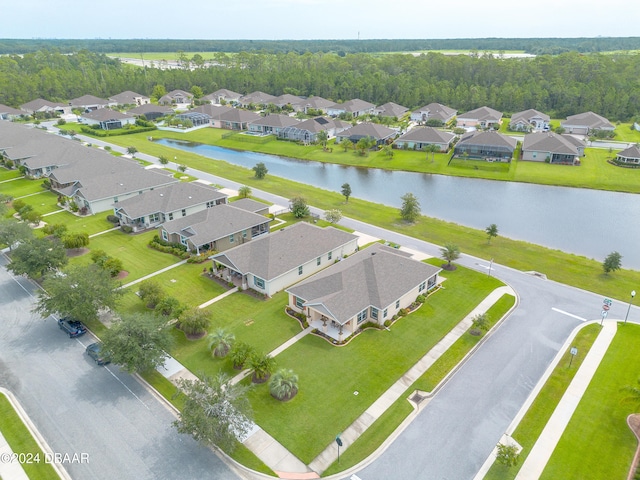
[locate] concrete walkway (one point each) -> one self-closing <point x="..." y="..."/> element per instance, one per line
<point x="162" y="270"/>
<point x="218" y="298"/>
<point x="398" y="389"/>
<point x="537" y="459"/>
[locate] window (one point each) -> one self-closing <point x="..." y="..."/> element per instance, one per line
<point x="171" y="216"/>
<point x="397" y="303"/>
<point x="165" y="237"/>
<point x="211" y="204"/>
<point x="258" y="282"/>
<point x="422" y="286"/>
<point x="362" y="316"/>
<point x="231" y="238"/>
<point x="184" y="212"/>
<point x="183" y="240"/>
<point x="244" y="234"/>
<point x="374" y="313"/>
<point x="384" y="313"/>
<point x="154" y="218"/>
<point x="329" y="255"/>
<point x="115" y="199"/>
<point x="300" y="270"/>
<point x="318" y="261"/>
<point x="299" y="302"/>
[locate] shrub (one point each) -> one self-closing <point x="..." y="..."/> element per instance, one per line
<point x="46" y="184"/>
<point x="113" y="219"/>
<point x="73" y="206"/>
<point x="194" y="321"/>
<point x="113" y="266"/>
<point x="240" y="353"/>
<point x="421" y="298"/>
<point x="18" y="204"/>
<point x="387" y="323"/>
<point x="55" y="229"/>
<point x="126" y="228"/>
<point x="151" y="293"/>
<point x="170" y="307"/>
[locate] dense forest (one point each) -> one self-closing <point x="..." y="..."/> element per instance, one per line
<point x="558" y="85"/>
<point x="537" y="46"/>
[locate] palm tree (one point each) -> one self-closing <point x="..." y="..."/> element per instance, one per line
<point x="284" y="384"/>
<point x="346" y="144"/>
<point x="450" y="252"/>
<point x="634" y="393"/>
<point x="240" y="353"/>
<point x="244" y="191"/>
<point x="132" y="151"/>
<point x="322" y="137"/>
<point x="220" y="342"/>
<point x="262" y="366"/>
<point x="433" y="148"/>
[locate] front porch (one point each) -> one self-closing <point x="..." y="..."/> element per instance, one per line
<point x="331" y="328"/>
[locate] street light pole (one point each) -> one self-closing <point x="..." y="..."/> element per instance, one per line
<point x="633" y="294"/>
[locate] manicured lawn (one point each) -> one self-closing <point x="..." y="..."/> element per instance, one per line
<point x="625" y="133"/>
<point x="373" y="437"/>
<point x="480" y="165"/>
<point x="597" y="443"/>
<point x="259" y="323"/>
<point x="21" y="187"/>
<point x="45" y="202"/>
<point x="7" y="175"/>
<point x="90" y="224"/>
<point x="329" y="375"/>
<point x="20" y="440"/>
<point x="137" y="258"/>
<point x="559" y="266"/>
<point x="545" y="403"/>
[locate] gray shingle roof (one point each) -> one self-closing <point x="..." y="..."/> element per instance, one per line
<point x="10" y="110"/>
<point x="438" y="111"/>
<point x="273" y="255"/>
<point x="427" y="135"/>
<point x="257" y="97"/>
<point x="374" y="130"/>
<point x="215" y="223"/>
<point x="126" y="98"/>
<point x="391" y="109"/>
<point x="315" y="102"/>
<point x="235" y="115"/>
<point x="37" y="104"/>
<point x="375" y="276"/>
<point x="86" y="100"/>
<point x="169" y="199"/>
<point x="482" y="114"/>
<point x="151" y="108"/>
<point x="355" y="105"/>
<point x="214" y="111"/>
<point x="488" y="139"/>
<point x="285" y="99"/>
<point x="632" y="152"/>
<point x="249" y="205"/>
<point x="588" y="119"/>
<point x="105" y="114"/>
<point x="527" y="115"/>
<point x="549" y="142"/>
<point x="276" y="121"/>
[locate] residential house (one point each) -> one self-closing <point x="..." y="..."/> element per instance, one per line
<point x="9" y="113"/>
<point x="235" y="119"/>
<point x="314" y="103"/>
<point x="379" y="133"/>
<point x="585" y="123"/>
<point x="222" y="95"/>
<point x="490" y="145"/>
<point x="98" y="180"/>
<point x="272" y="124"/>
<point x="551" y="148"/>
<point x="37" y="151"/>
<point x="529" y="121"/>
<point x="130" y="98"/>
<point x="629" y="155"/>
<point x="307" y="130"/>
<point x="251" y="206"/>
<point x="355" y="107"/>
<point x="286" y="99"/>
<point x="372" y="285"/>
<point x="176" y="97"/>
<point x="197" y="119"/>
<point x="154" y="207"/>
<point x="151" y="111"/>
<point x="106" y="118"/>
<point x="257" y="99"/>
<point x="89" y="102"/>
<point x="219" y="228"/>
<point x="213" y="112"/>
<point x="276" y="261"/>
<point x="40" y="105"/>
<point x="434" y="111"/>
<point x="390" y="109"/>
<point x="421" y="138"/>
<point x="483" y="117"/>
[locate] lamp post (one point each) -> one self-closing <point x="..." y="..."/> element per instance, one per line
<point x="633" y="294"/>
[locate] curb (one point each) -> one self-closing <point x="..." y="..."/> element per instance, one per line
<point x="35" y="433"/>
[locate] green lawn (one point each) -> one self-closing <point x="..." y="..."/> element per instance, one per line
<point x="21" y="187"/>
<point x="45" y="202"/>
<point x="90" y="224"/>
<point x="137" y="258"/>
<point x="534" y="421"/>
<point x="6" y="174"/>
<point x="625" y="133"/>
<point x="597" y="443"/>
<point x="386" y="354"/>
<point x="21" y="441"/>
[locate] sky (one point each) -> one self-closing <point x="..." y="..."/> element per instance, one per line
<point x="317" y="19"/>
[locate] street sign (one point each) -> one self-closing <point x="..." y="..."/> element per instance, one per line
<point x="607" y="301"/>
<point x="605" y="307"/>
<point x="604" y="313"/>
<point x="339" y="441"/>
<point x="574" y="351"/>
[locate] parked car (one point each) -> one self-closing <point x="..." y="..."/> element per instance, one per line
<point x="74" y="328"/>
<point x="95" y="351"/>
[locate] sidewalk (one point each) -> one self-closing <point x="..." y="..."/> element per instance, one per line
<point x="537" y="459"/>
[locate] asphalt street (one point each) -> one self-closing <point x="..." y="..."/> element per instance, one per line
<point x="448" y="440"/>
<point x="81" y="408"/>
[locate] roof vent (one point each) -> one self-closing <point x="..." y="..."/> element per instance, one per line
<point x="162" y="194"/>
<point x="373" y="253"/>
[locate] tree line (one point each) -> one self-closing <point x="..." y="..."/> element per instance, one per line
<point x="558" y="85"/>
<point x="536" y="46"/>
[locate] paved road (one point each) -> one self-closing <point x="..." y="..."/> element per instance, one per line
<point x="457" y="430"/>
<point x="82" y="408"/>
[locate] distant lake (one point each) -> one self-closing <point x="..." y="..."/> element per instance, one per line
<point x="591" y="223"/>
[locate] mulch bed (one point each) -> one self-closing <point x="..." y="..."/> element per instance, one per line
<point x="633" y="421"/>
<point x="77" y="252"/>
<point x="122" y="274"/>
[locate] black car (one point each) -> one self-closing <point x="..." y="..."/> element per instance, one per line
<point x="95" y="351"/>
<point x="74" y="328"/>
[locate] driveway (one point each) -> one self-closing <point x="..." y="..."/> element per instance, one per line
<point x="82" y="408"/>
